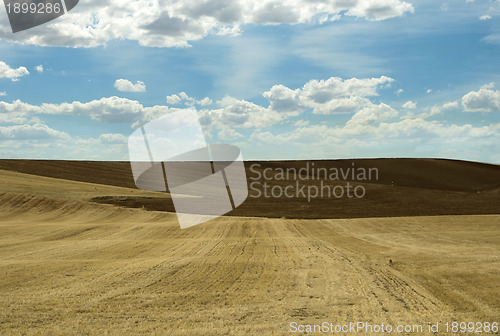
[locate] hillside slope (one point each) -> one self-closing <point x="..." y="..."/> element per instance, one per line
<point x="405" y="187"/>
<point x="70" y="266"/>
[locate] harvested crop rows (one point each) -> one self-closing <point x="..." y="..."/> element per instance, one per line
<point x="70" y="266"/>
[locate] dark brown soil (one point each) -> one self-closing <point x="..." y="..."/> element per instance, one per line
<point x="405" y="187"/>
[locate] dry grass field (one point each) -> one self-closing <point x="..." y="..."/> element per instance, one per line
<point x="70" y="266"/>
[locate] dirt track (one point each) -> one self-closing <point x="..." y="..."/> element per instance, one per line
<point x="69" y="266"/>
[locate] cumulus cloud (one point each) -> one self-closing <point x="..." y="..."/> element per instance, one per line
<point x="39" y="68"/>
<point x="484" y="17"/>
<point x="173" y="99"/>
<point x="332" y="96"/>
<point x="410" y="105"/>
<point x="31" y="132"/>
<point x="301" y="123"/>
<point x="125" y="85"/>
<point x="372" y="115"/>
<point x="188" y="101"/>
<point x="228" y="133"/>
<point x="205" y="102"/>
<point x="430" y="110"/>
<point x="377" y="10"/>
<point x="450" y="105"/>
<point x="111" y="110"/>
<point x="171" y="23"/>
<point x="342" y="105"/>
<point x="3" y="93"/>
<point x="325" y="90"/>
<point x="17" y="112"/>
<point x="373" y="129"/>
<point x="285" y="100"/>
<point x="240" y="114"/>
<point x="11" y="73"/>
<point x="484" y="100"/>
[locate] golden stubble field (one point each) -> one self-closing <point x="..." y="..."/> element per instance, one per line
<point x="72" y="267"/>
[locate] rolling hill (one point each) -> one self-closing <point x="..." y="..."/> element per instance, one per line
<point x="405" y="187"/>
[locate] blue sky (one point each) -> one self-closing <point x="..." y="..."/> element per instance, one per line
<point x="370" y="78"/>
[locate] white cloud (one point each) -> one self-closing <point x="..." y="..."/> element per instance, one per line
<point x="228" y="133"/>
<point x="372" y="115"/>
<point x="334" y="87"/>
<point x="488" y="86"/>
<point x="125" y="85"/>
<point x="240" y="114"/>
<point x="205" y="102"/>
<point x="16" y="112"/>
<point x="285" y="100"/>
<point x="377" y="10"/>
<point x="373" y="129"/>
<point x="301" y="123"/>
<point x="171" y="23"/>
<point x="400" y="91"/>
<point x="30" y="132"/>
<point x="485" y="17"/>
<point x="229" y="31"/>
<point x="431" y="111"/>
<point x="450" y="105"/>
<point x="410" y="105"/>
<point x="111" y="110"/>
<point x="342" y="105"/>
<point x="184" y="96"/>
<point x="484" y="100"/>
<point x="332" y="96"/>
<point x="39" y="68"/>
<point x="429" y="90"/>
<point x="173" y="99"/>
<point x="188" y="101"/>
<point x="3" y="93"/>
<point x="11" y="73"/>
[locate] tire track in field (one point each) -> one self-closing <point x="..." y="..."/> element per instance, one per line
<point x="372" y="283"/>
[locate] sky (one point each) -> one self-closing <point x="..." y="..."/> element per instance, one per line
<point x="302" y="79"/>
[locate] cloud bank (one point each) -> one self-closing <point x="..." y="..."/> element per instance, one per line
<point x="171" y="23"/>
<point x="370" y="128"/>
